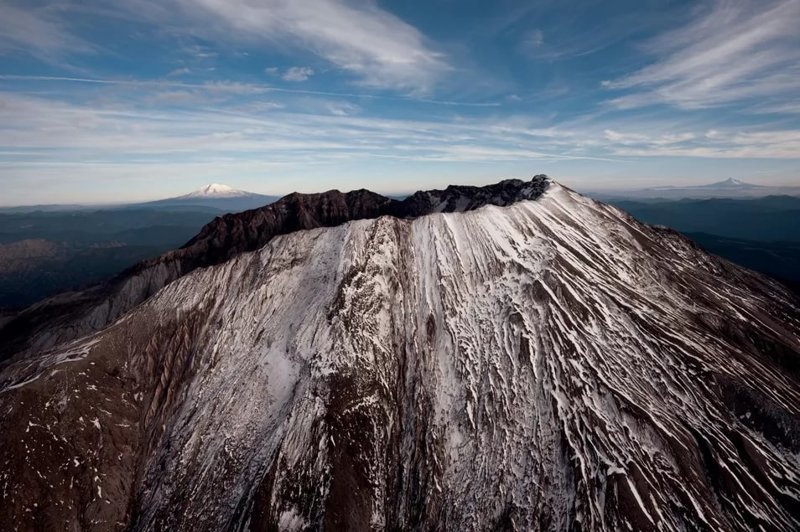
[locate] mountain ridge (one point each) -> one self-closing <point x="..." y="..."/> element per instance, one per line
<point x="231" y="234"/>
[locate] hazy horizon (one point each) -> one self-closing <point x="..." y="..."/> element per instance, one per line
<point x="398" y="193"/>
<point x="140" y="100"/>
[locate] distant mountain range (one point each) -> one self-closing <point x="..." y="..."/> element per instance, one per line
<point x="758" y="233"/>
<point x="727" y="184"/>
<point x="768" y="219"/>
<point x="214" y="196"/>
<point x="47" y="249"/>
<point x="729" y="188"/>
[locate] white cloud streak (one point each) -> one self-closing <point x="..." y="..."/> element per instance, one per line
<point x="238" y="87"/>
<point x="297" y="73"/>
<point x="40" y="131"/>
<point x="117" y="132"/>
<point x="728" y="144"/>
<point x="378" y="48"/>
<point x="106" y="141"/>
<point x="734" y="51"/>
<point x="37" y="31"/>
<point x="358" y="37"/>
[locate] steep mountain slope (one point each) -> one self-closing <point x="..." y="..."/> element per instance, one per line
<point x="548" y="364"/>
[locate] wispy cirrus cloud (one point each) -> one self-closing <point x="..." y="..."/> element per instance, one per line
<point x="109" y="141"/>
<point x="241" y="124"/>
<point x="361" y="38"/>
<point x="537" y="44"/>
<point x="717" y="144"/>
<point x="128" y="132"/>
<point x="37" y="31"/>
<point x="49" y="127"/>
<point x="732" y="51"/>
<point x="237" y="87"/>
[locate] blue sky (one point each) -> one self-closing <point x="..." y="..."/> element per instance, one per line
<point x="126" y="100"/>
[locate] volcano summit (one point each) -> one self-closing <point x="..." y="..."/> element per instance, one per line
<point x="516" y="356"/>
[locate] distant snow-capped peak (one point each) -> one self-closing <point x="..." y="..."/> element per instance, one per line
<point x="215" y="190"/>
<point x="731" y="182"/>
<point x="734" y="183"/>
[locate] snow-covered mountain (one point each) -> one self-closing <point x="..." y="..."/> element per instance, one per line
<point x="218" y="196"/>
<point x="512" y="357"/>
<point x="731" y="183"/>
<point x="215" y="190"/>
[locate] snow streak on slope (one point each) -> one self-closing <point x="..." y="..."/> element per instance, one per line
<point x="548" y="365"/>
